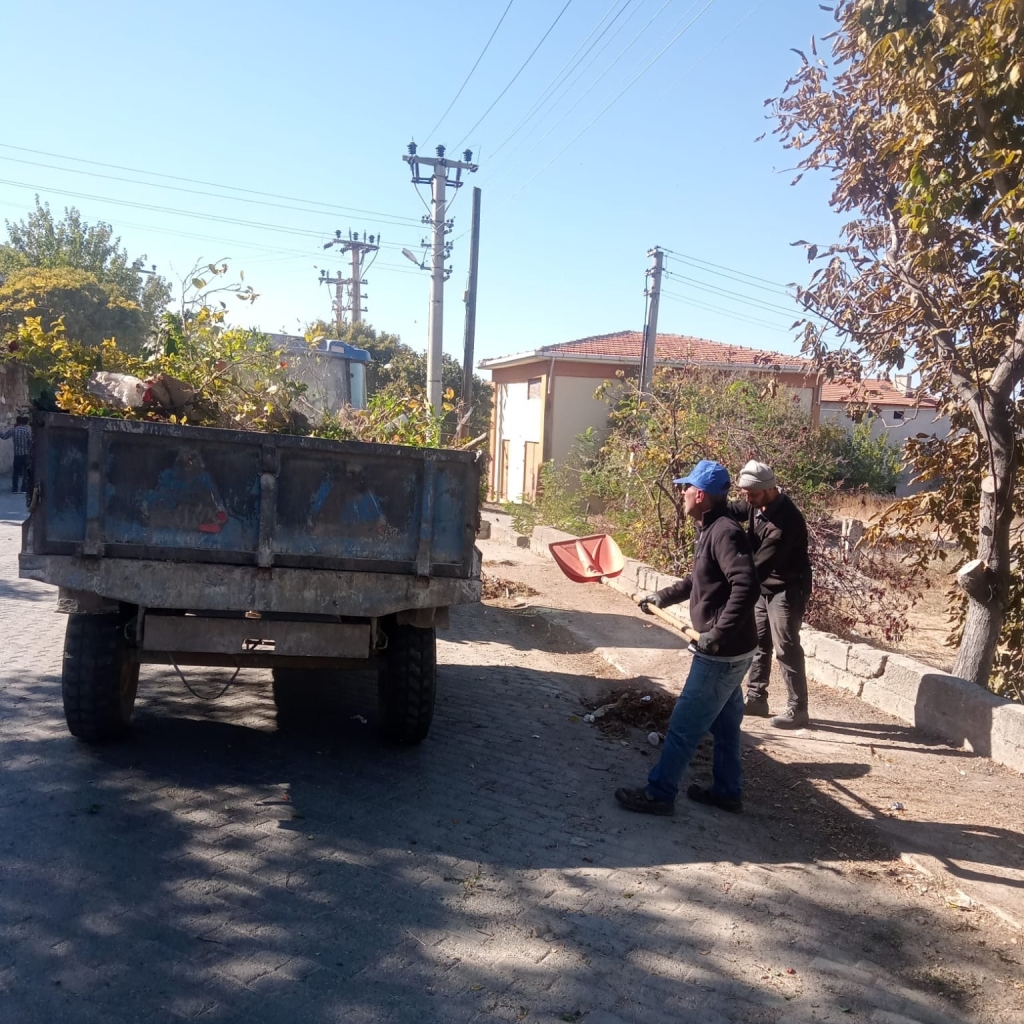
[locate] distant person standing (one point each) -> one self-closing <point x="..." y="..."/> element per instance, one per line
<point x="21" y="471"/>
<point x="778" y="535"/>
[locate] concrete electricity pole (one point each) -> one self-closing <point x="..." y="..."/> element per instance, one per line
<point x="358" y="248"/>
<point x="653" y="293"/>
<point x="339" y="299"/>
<point x="444" y="174"/>
<point x="470" y="333"/>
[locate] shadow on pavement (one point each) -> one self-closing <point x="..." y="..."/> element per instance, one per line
<point x="22" y="591"/>
<point x="885" y="733"/>
<point x="587" y="633"/>
<point x="216" y="866"/>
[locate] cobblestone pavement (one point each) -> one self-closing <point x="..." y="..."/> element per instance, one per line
<point x="213" y="867"/>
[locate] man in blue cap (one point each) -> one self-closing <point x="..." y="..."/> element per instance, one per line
<point x="722" y="589"/>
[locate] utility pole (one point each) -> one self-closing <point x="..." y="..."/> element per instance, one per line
<point x="339" y="299"/>
<point x="653" y="293"/>
<point x="358" y="248"/>
<point x="470" y="332"/>
<point x="440" y="179"/>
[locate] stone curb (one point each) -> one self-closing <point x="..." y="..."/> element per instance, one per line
<point x="941" y="705"/>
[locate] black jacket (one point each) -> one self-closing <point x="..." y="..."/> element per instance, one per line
<point x="722" y="586"/>
<point x="779" y="539"/>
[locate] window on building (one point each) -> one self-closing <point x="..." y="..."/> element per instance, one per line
<point x="897" y="415"/>
<point x="533" y="387"/>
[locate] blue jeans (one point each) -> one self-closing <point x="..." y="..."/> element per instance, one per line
<point x="711" y="701"/>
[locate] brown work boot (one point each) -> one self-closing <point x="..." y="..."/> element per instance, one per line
<point x="791" y="718"/>
<point x="642" y="802"/>
<point x="706" y="795"/>
<point x="756" y="707"/>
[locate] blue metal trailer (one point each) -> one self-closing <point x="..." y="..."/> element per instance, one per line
<point x="192" y="545"/>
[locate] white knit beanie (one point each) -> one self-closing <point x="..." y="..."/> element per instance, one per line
<point x="756" y="476"/>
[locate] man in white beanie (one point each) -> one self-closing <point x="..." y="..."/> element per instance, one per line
<point x="778" y="535"/>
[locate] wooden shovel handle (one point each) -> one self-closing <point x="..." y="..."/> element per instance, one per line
<point x="690" y="634"/>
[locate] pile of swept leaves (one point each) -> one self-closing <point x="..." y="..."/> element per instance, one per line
<point x="497" y="587"/>
<point x="618" y="711"/>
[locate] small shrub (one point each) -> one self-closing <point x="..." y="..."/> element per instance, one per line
<point x="871" y="463"/>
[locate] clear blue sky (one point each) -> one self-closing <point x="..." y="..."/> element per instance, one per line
<point x="316" y="102"/>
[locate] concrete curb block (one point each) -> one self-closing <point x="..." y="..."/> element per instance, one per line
<point x="939" y="704"/>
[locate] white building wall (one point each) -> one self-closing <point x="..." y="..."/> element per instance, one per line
<point x="805" y="399"/>
<point x="575" y="410"/>
<point x="518" y="421"/>
<point x="914" y="421"/>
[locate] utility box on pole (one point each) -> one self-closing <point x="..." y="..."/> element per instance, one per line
<point x="440" y="179"/>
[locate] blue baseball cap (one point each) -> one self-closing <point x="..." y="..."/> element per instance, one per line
<point x="710" y="477"/>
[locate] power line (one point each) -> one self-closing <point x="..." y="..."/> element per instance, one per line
<point x="729" y="293"/>
<point x="689" y="70"/>
<point x="746" y="17"/>
<point x="586" y="92"/>
<point x="388" y="218"/>
<point x="429" y="134"/>
<point x="695" y="264"/>
<point x="518" y="73"/>
<point x="256" y="225"/>
<point x="210" y="184"/>
<point x="724" y="312"/>
<point x="278" y="254"/>
<point x="628" y="86"/>
<point x="718" y="266"/>
<point x="563" y="73"/>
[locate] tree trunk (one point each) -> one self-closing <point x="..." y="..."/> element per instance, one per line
<point x="986" y="609"/>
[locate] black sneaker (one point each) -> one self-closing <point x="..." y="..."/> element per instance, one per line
<point x="642" y="802"/>
<point x="791" y="718"/>
<point x="756" y="707"/>
<point x="706" y="795"/>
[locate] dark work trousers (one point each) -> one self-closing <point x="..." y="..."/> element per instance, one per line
<point x="778" y="617"/>
<point x="20" y="474"/>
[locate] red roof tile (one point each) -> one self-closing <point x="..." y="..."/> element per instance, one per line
<point x="673" y="349"/>
<point x="874" y="392"/>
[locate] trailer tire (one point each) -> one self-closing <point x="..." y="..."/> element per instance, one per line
<point x="99" y="677"/>
<point x="407" y="684"/>
<point x="295" y="696"/>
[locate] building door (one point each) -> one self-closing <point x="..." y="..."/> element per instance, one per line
<point x="531" y="469"/>
<point x="503" y="473"/>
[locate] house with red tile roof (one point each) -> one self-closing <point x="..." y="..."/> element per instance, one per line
<point x="544" y="398"/>
<point x="897" y="410"/>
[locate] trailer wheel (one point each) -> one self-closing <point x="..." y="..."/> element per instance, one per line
<point x="406" y="684"/>
<point x="99" y="679"/>
<point x="295" y="691"/>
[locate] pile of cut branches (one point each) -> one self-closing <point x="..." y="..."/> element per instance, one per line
<point x="205" y="374"/>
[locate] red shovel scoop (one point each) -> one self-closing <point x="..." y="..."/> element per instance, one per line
<point x="588" y="559"/>
<point x="598" y="558"/>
